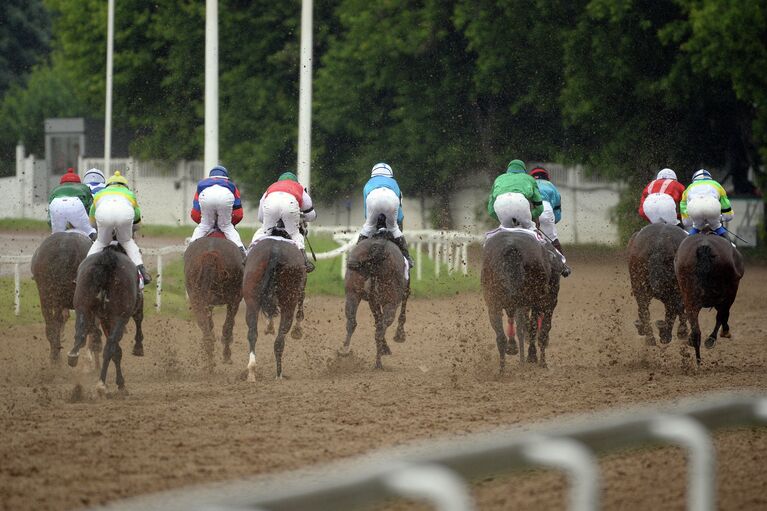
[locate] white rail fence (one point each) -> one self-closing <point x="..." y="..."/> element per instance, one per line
<point x="439" y="472"/>
<point x="445" y="248"/>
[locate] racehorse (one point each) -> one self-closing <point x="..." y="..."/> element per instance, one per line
<point x="108" y="291"/>
<point x="520" y="276"/>
<point x="376" y="273"/>
<point x="213" y="276"/>
<point x="708" y="269"/>
<point x="274" y="283"/>
<point x="54" y="270"/>
<point x="651" y="254"/>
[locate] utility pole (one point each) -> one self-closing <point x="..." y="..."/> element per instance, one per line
<point x="211" y="85"/>
<point x="305" y="97"/>
<point x="108" y="106"/>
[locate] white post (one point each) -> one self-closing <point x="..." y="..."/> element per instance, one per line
<point x="419" y="260"/>
<point x="17" y="289"/>
<point x="211" y="84"/>
<point x="437" y="258"/>
<point x="108" y="107"/>
<point x="431" y="250"/>
<point x="305" y="97"/>
<point x="465" y="258"/>
<point x="343" y="265"/>
<point x="158" y="295"/>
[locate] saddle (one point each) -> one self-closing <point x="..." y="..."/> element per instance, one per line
<point x="279" y="231"/>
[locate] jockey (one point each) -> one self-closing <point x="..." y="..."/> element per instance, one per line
<point x="660" y="199"/>
<point x="705" y="203"/>
<point x="552" y="206"/>
<point x="69" y="203"/>
<point x="217" y="203"/>
<point x="515" y="200"/>
<point x="288" y="201"/>
<point x="382" y="196"/>
<point x="94" y="178"/>
<point x="114" y="212"/>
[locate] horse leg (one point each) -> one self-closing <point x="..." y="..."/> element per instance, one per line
<point x="380" y="331"/>
<point x="682" y="331"/>
<point x="251" y="318"/>
<point x="114" y="335"/>
<point x="227" y="335"/>
<point x="83" y="321"/>
<point x="204" y="317"/>
<point x="138" y="341"/>
<point x="53" y="323"/>
<point x="722" y="316"/>
<point x="666" y="327"/>
<point x="543" y="336"/>
<point x="496" y="322"/>
<point x="389" y="313"/>
<point x="532" y="329"/>
<point x="117" y="358"/>
<point x="726" y="321"/>
<point x="352" y="303"/>
<point x="298" y="331"/>
<point x="286" y="321"/>
<point x="643" y="323"/>
<point x="95" y="345"/>
<point x="694" y="341"/>
<point x="399" y="336"/>
<point x="522" y="318"/>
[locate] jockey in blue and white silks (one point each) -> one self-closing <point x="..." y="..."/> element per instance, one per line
<point x="95" y="180"/>
<point x="382" y="196"/>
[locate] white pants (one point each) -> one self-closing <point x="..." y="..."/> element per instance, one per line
<point x="513" y="210"/>
<point x="660" y="208"/>
<point x="282" y="206"/>
<point x="114" y="215"/>
<point x="704" y="211"/>
<point x="69" y="210"/>
<point x="216" y="203"/>
<point x="548" y="221"/>
<point x="381" y="201"/>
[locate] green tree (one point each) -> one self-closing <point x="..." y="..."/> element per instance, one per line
<point x="24" y="39"/>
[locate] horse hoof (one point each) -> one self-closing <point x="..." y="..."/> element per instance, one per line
<point x="726" y="334"/>
<point x="710" y="342"/>
<point x="101" y="389"/>
<point x="251" y="377"/>
<point x="138" y="351"/>
<point x="532" y="359"/>
<point x="297" y="333"/>
<point x="227" y="360"/>
<point x="385" y="350"/>
<point x="665" y="339"/>
<point x="400" y="337"/>
<point x="72" y="360"/>
<point x="650" y="340"/>
<point x="641" y="328"/>
<point x="344" y="351"/>
<point x="660" y="324"/>
<point x="511" y="347"/>
<point x="122" y="391"/>
<point x="682" y="334"/>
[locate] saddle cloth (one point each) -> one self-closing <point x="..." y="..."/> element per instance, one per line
<point x="500" y="229"/>
<point x="265" y="236"/>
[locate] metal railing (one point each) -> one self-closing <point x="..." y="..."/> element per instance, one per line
<point x="439" y="472"/>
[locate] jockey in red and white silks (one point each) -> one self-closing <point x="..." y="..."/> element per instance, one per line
<point x="660" y="199"/>
<point x="288" y="201"/>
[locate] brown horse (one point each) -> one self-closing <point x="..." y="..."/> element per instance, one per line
<point x="708" y="269"/>
<point x="213" y="276"/>
<point x="651" y="254"/>
<point x="376" y="273"/>
<point x="520" y="276"/>
<point x="107" y="290"/>
<point x="274" y="283"/>
<point x="54" y="269"/>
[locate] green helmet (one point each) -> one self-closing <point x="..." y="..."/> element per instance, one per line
<point x="516" y="166"/>
<point x="287" y="176"/>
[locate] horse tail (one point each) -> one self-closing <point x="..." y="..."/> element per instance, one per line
<point x="266" y="294"/>
<point x="103" y="269"/>
<point x="204" y="278"/>
<point x="704" y="262"/>
<point x="513" y="271"/>
<point x="658" y="271"/>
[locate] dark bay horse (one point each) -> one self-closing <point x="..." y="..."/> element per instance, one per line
<point x="107" y="291"/>
<point x="213" y="276"/>
<point x="708" y="269"/>
<point x="376" y="273"/>
<point x="274" y="283"/>
<point x="651" y="254"/>
<point x="520" y="276"/>
<point x="54" y="269"/>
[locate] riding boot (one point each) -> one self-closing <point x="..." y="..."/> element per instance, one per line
<point x="144" y="274"/>
<point x="566" y="271"/>
<point x="93" y="236"/>
<point x="309" y="265"/>
<point x="402" y="245"/>
<point x="244" y="255"/>
<point x="361" y="238"/>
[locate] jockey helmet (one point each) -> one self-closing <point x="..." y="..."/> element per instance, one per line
<point x="69" y="177"/>
<point x="381" y="169"/>
<point x="287" y="176"/>
<point x="701" y="174"/>
<point x="218" y="171"/>
<point x="666" y="174"/>
<point x="516" y="166"/>
<point x="94" y="176"/>
<point x="540" y="173"/>
<point x="117" y="179"/>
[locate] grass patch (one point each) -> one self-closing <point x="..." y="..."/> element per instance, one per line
<point x="24" y="224"/>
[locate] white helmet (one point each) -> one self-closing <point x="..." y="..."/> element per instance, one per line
<point x="381" y="169"/>
<point x="94" y="176"/>
<point x="666" y="174"/>
<point x="701" y="174"/>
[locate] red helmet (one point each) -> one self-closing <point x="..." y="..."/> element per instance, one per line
<point x="540" y="173"/>
<point x="69" y="177"/>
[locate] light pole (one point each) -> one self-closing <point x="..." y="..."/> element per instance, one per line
<point x="211" y="84"/>
<point x="108" y="106"/>
<point x="305" y="97"/>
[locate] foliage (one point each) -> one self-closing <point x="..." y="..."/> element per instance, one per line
<point x="24" y="39"/>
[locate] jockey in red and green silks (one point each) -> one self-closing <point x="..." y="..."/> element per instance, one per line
<point x="705" y="204"/>
<point x="515" y="200"/>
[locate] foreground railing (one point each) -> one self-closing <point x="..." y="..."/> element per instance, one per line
<point x="439" y="472"/>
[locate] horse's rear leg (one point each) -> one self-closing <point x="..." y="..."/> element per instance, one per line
<point x="399" y="336"/>
<point x="532" y="329"/>
<point x="389" y="313"/>
<point x="722" y="317"/>
<point x="298" y="331"/>
<point x="83" y="324"/>
<point x="54" y="320"/>
<point x="682" y="331"/>
<point x="694" y="340"/>
<point x="203" y="315"/>
<point x="352" y="304"/>
<point x="666" y="327"/>
<point x="138" y="319"/>
<point x="378" y="316"/>
<point x="522" y="318"/>
<point x="110" y="352"/>
<point x="543" y="336"/>
<point x="251" y="318"/>
<point x="286" y="321"/>
<point x="726" y="322"/>
<point x="227" y="335"/>
<point x="643" y="323"/>
<point x="496" y="322"/>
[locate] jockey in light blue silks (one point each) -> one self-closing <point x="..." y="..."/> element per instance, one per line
<point x="382" y="196"/>
<point x="552" y="206"/>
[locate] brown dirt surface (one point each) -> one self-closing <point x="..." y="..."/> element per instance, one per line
<point x="180" y="424"/>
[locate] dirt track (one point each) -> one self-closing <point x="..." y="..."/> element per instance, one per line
<point x="181" y="425"/>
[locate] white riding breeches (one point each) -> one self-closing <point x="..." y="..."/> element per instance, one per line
<point x="69" y="210"/>
<point x="660" y="208"/>
<point x="704" y="211"/>
<point x="216" y="203"/>
<point x="282" y="206"/>
<point x="114" y="215"/>
<point x="548" y="221"/>
<point x="513" y="210"/>
<point x="381" y="201"/>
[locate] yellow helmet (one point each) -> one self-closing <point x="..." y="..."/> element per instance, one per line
<point x="118" y="179"/>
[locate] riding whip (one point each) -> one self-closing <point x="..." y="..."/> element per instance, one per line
<point x="741" y="239"/>
<point x="306" y="238"/>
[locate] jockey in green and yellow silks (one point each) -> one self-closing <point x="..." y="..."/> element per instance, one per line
<point x="705" y="204"/>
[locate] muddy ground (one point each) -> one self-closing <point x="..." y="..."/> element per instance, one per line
<point x="180" y="424"/>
